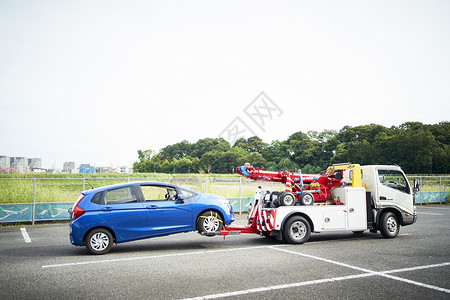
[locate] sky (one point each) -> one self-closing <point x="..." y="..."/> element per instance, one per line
<point x="95" y="81"/>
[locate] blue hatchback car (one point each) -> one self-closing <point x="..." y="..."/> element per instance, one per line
<point x="138" y="210"/>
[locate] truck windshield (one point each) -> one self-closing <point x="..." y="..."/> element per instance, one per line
<point x="393" y="179"/>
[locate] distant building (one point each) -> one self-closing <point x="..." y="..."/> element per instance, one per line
<point x="19" y="161"/>
<point x="19" y="164"/>
<point x="104" y="170"/>
<point x="34" y="163"/>
<point x="123" y="169"/>
<point x="68" y="166"/>
<point x="87" y="169"/>
<point x="5" y="163"/>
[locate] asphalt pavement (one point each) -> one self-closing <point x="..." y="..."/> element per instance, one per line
<point x="38" y="262"/>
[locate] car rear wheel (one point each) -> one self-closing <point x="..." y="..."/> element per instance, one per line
<point x="99" y="241"/>
<point x="209" y="222"/>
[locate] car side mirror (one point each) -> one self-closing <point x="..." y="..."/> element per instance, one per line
<point x="416" y="187"/>
<point x="180" y="198"/>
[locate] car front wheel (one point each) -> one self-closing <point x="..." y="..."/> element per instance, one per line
<point x="209" y="222"/>
<point x="99" y="241"/>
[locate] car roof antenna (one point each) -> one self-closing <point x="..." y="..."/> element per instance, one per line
<point x="90" y="184"/>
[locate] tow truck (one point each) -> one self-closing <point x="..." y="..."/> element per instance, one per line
<point x="351" y="198"/>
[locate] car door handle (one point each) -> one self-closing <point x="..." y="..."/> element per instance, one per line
<point x="152" y="207"/>
<point x="107" y="208"/>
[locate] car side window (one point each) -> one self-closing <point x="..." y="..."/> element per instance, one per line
<point x="160" y="193"/>
<point x="120" y="196"/>
<point x="393" y="179"/>
<point x="187" y="194"/>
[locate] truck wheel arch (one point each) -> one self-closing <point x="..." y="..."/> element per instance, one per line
<point x="390" y="209"/>
<point x="297" y="214"/>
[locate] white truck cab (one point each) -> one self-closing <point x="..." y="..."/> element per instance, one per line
<point x="382" y="200"/>
<point x="390" y="190"/>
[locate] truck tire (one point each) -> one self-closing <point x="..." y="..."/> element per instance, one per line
<point x="209" y="222"/>
<point x="287" y="199"/>
<point x="297" y="230"/>
<point x="306" y="199"/>
<point x="389" y="225"/>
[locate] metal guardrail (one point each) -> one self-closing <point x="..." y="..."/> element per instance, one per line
<point x="237" y="189"/>
<point x="30" y="212"/>
<point x="58" y="211"/>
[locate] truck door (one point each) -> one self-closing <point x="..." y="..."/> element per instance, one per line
<point x="356" y="208"/>
<point x="393" y="188"/>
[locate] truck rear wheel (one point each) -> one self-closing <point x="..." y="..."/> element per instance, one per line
<point x="389" y="225"/>
<point x="297" y="230"/>
<point x="306" y="199"/>
<point x="287" y="199"/>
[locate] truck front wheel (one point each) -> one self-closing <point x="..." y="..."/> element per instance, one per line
<point x="389" y="225"/>
<point x="296" y="230"/>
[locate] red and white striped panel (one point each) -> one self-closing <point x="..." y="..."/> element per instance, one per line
<point x="265" y="221"/>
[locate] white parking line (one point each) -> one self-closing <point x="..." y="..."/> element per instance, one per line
<point x="433" y="214"/>
<point x="433" y="207"/>
<point x="278" y="287"/>
<point x="25" y="235"/>
<point x="151" y="257"/>
<point x="367" y="273"/>
<point x="383" y="274"/>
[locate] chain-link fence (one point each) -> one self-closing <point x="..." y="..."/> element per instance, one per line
<point x="36" y="199"/>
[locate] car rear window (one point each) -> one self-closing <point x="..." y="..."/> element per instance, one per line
<point x="97" y="199"/>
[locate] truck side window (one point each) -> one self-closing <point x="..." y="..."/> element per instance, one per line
<point x="393" y="179"/>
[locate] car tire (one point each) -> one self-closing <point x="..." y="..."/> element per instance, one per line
<point x="99" y="241"/>
<point x="306" y="199"/>
<point x="297" y="230"/>
<point x="209" y="223"/>
<point x="389" y="225"/>
<point x="287" y="199"/>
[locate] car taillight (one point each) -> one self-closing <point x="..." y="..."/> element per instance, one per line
<point x="76" y="210"/>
